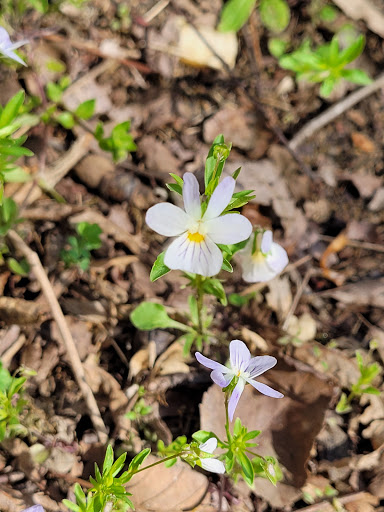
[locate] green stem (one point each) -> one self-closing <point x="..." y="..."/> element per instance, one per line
<point x="199" y="300"/>
<point x="158" y="462"/>
<point x="227" y="420"/>
<point x="256" y="454"/>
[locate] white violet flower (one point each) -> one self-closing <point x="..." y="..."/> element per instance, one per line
<point x="195" y="249"/>
<point x="244" y="368"/>
<point x="7" y="47"/>
<point x="35" y="508"/>
<point x="210" y="464"/>
<point x="262" y="259"/>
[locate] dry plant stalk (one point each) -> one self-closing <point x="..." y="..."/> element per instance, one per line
<point x="70" y="347"/>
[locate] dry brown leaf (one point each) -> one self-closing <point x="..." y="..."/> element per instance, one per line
<point x="289" y="426"/>
<point x="193" y="50"/>
<point x="362" y="142"/>
<point x="158" y="156"/>
<point x="19" y="311"/>
<point x="366" y="503"/>
<point x="303" y="327"/>
<point x="171" y="361"/>
<point x="369" y="292"/>
<point x="364" y="10"/>
<point x="377" y="202"/>
<point x="238" y="125"/>
<point x="279" y="297"/>
<point x="171" y="489"/>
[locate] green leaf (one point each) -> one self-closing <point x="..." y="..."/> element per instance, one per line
<point x="234" y="14"/>
<point x="21" y="268"/>
<point x="86" y="109"/>
<point x="226" y="265"/>
<point x="90" y="233"/>
<point x="276" y="47"/>
<point x="72" y="506"/>
<point x="189" y="340"/>
<point x="174" y="187"/>
<point x="66" y="120"/>
<point x="159" y="269"/>
<point x="327" y="86"/>
<point x="356" y="76"/>
<point x="11" y="109"/>
<point x="54" y="92"/>
<point x="275" y="14"/>
<point x="246" y="466"/>
<point x="214" y="287"/>
<point x="149" y="315"/>
<point x="353" y="51"/>
<point x="108" y="459"/>
<point x="17" y="174"/>
<point x="137" y="461"/>
<point x="203" y="435"/>
<point x="371" y="390"/>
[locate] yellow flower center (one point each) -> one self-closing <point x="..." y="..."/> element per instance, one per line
<point x="195" y="237"/>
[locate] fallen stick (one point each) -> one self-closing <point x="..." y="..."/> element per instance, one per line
<point x="335" y="111"/>
<point x="69" y="344"/>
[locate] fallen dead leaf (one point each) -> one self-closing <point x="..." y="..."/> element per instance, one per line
<point x="368" y="292"/>
<point x="171" y="361"/>
<point x="279" y="297"/>
<point x="171" y="489"/>
<point x="303" y="327"/>
<point x="364" y="10"/>
<point x="19" y="311"/>
<point x="289" y="426"/>
<point x="362" y="142"/>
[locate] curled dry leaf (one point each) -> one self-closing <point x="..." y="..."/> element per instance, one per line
<point x="19" y="311"/>
<point x="173" y="489"/>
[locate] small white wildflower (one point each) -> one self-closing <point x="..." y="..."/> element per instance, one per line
<point x="213" y="465"/>
<point x="7" y="47"/>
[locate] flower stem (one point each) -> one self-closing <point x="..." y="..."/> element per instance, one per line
<point x="158" y="462"/>
<point x="227" y="420"/>
<point x="199" y="300"/>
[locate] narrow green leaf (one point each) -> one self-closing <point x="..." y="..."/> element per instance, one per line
<point x="11" y="109"/>
<point x="86" y="109"/>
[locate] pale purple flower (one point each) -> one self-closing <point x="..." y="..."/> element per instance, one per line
<point x="195" y="249"/>
<point x="262" y="259"/>
<point x="244" y="368"/>
<point x="210" y="464"/>
<point x="35" y="508"/>
<point x="7" y="47"/>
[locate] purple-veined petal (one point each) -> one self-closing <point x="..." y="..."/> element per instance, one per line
<point x="212" y="465"/>
<point x="209" y="446"/>
<point x="210" y="363"/>
<point x="266" y="241"/>
<point x="228" y="229"/>
<point x="35" y="508"/>
<point x="260" y="364"/>
<point x="278" y="259"/>
<point x="220" y="198"/>
<point x="12" y="55"/>
<point x="264" y="389"/>
<point x="167" y="219"/>
<point x="239" y="355"/>
<point x="221" y="379"/>
<point x="235" y="397"/>
<point x="191" y="196"/>
<point x="203" y="258"/>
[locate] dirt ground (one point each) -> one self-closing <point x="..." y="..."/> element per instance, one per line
<point x="323" y="195"/>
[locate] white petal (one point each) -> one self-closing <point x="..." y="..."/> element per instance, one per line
<point x="228" y="229"/>
<point x="235" y="397"/>
<point x="239" y="355"/>
<point x="210" y="363"/>
<point x="203" y="258"/>
<point x="260" y="364"/>
<point x="35" y="508"/>
<point x="264" y="389"/>
<point x="209" y="446"/>
<point x="12" y="55"/>
<point x="191" y="196"/>
<point x="221" y="379"/>
<point x="255" y="270"/>
<point x="167" y="219"/>
<point x="278" y="259"/>
<point x="213" y="465"/>
<point x="266" y="242"/>
<point x="220" y="198"/>
<point x="5" y="40"/>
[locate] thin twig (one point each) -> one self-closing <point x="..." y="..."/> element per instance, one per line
<point x="335" y="111"/>
<point x="356" y="243"/>
<point x="70" y="346"/>
<point x="297" y="298"/>
<point x="89" y="48"/>
<point x="155" y="10"/>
